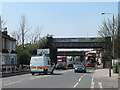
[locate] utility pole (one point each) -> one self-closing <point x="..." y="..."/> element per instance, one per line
<point x="112" y="44"/>
<point x="113" y="40"/>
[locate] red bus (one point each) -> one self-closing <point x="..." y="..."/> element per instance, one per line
<point x="62" y="59"/>
<point x="90" y="59"/>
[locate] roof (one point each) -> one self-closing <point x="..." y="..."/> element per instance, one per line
<point x="7" y="37"/>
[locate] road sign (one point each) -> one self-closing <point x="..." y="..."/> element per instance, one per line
<point x="42" y="51"/>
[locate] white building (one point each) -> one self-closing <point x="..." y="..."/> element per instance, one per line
<point x="9" y="55"/>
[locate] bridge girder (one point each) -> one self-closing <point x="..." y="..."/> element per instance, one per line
<point x="79" y="44"/>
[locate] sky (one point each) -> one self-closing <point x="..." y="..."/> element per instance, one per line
<point x="61" y="19"/>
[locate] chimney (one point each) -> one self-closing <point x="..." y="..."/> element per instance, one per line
<point x="5" y="31"/>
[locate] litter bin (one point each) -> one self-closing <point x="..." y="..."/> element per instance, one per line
<point x="114" y="69"/>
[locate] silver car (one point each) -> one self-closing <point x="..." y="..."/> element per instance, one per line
<point x="80" y="68"/>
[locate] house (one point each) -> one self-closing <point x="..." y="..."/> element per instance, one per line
<point x="0" y="47"/>
<point x="9" y="55"/>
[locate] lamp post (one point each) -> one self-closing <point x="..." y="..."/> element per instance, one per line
<point x="112" y="42"/>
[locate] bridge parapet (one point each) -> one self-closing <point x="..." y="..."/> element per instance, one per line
<point x="97" y="39"/>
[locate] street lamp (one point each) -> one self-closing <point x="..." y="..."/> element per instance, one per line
<point x="112" y="39"/>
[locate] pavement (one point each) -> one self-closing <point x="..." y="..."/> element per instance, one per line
<point x="102" y="78"/>
<point x="104" y="73"/>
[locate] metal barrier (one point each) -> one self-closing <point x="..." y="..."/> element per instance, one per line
<point x="25" y="68"/>
<point x="7" y="69"/>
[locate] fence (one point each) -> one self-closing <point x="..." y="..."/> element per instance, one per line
<point x="7" y="69"/>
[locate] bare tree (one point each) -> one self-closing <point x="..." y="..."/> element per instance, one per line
<point x="2" y="23"/>
<point x="17" y="35"/>
<point x="23" y="30"/>
<point x="107" y="28"/>
<point x="35" y="36"/>
<point x="106" y="33"/>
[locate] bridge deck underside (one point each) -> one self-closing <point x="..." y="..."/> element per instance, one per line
<point x="70" y="53"/>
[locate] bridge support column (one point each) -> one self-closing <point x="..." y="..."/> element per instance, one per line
<point x="53" y="55"/>
<point x="82" y="58"/>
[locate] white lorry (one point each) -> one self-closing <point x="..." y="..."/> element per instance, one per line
<point x="41" y="64"/>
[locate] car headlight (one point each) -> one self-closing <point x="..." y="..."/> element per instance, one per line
<point x="83" y="68"/>
<point x="75" y="68"/>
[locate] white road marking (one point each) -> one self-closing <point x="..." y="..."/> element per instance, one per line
<point x="92" y="83"/>
<point x="12" y="83"/>
<point x="76" y="84"/>
<point x="78" y="81"/>
<point x="39" y="77"/>
<point x="80" y="78"/>
<point x="32" y="78"/>
<point x="16" y="76"/>
<point x="18" y="81"/>
<point x="100" y="84"/>
<point x="85" y="74"/>
<point x="9" y="83"/>
<point x="45" y="76"/>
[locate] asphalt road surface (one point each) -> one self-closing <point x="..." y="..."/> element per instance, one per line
<point x="60" y="79"/>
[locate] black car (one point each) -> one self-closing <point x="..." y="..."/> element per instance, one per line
<point x="69" y="64"/>
<point x="80" y="68"/>
<point x="60" y="65"/>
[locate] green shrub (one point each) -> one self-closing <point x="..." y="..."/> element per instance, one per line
<point x="24" y="57"/>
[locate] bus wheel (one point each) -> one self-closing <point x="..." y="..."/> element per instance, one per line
<point x="39" y="73"/>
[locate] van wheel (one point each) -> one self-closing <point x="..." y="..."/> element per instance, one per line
<point x="32" y="73"/>
<point x="46" y="71"/>
<point x="64" y="69"/>
<point x="52" y="72"/>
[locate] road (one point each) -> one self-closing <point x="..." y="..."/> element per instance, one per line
<point x="60" y="79"/>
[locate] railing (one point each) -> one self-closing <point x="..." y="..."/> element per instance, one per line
<point x="7" y="69"/>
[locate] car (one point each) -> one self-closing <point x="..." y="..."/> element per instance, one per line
<point x="69" y="64"/>
<point x="80" y="68"/>
<point x="60" y="65"/>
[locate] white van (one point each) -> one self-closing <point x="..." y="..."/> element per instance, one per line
<point x="41" y="64"/>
